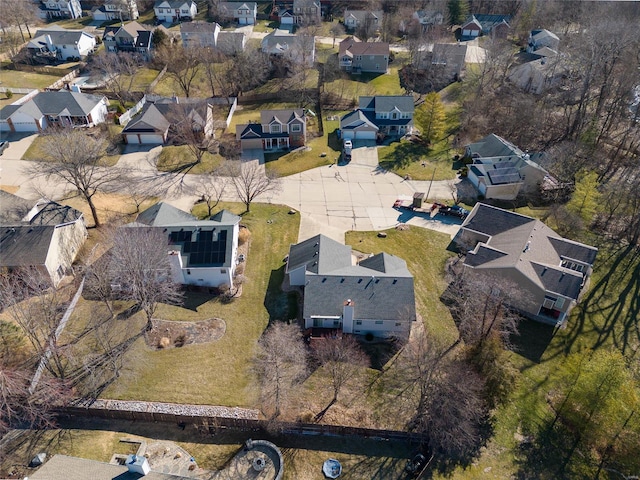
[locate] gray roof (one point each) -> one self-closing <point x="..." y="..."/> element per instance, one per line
<point x="12" y="208"/>
<point x="236" y="5"/>
<point x="162" y="214"/>
<point x="282" y="116"/>
<point x="26" y="245"/>
<point x="386" y="103"/>
<point x="63" y="467"/>
<point x="225" y="216"/>
<point x="320" y="254"/>
<point x="385" y="263"/>
<point x="173" y="3"/>
<point x="357" y="120"/>
<point x="148" y="121"/>
<point x="514" y="241"/>
<point x="59" y="36"/>
<point x="133" y="29"/>
<point x="230" y="42"/>
<point x="198" y="27"/>
<point x="362" y="15"/>
<point x="494" y="146"/>
<point x="353" y="46"/>
<point x="55" y="103"/>
<point x="52" y="213"/>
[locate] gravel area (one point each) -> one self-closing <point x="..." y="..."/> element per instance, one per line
<point x="176" y="409"/>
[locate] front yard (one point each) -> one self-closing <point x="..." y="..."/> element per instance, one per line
<point x="180" y="159"/>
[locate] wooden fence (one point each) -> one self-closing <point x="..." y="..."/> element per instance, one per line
<point x="217" y="423"/>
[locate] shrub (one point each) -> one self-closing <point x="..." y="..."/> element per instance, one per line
<point x="243" y="236"/>
<point x="164" y="342"/>
<point x="180" y="341"/>
<point x="8" y="94"/>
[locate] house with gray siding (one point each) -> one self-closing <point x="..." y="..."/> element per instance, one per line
<point x="378" y="117"/>
<point x="277" y="130"/>
<point x="359" y="57"/>
<point x="373" y="296"/>
<point x="243" y="13"/>
<point x="549" y="272"/>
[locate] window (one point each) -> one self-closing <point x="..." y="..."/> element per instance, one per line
<point x="377" y="66"/>
<point x="358" y="322"/>
<point x="398" y="324"/>
<point x="296" y="127"/>
<point x="60" y="271"/>
<point x="379" y="322"/>
<point x="358" y="57"/>
<point x="336" y="323"/>
<point x="317" y="322"/>
<point x="549" y="302"/>
<point x="188" y="271"/>
<point x="394" y="116"/>
<point x="559" y="302"/>
<point x="573" y="265"/>
<point x="276" y="128"/>
<point x="223" y="270"/>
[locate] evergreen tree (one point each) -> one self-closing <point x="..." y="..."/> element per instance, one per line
<point x="458" y="11"/>
<point x="430" y="118"/>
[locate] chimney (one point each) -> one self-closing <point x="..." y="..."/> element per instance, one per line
<point x="137" y="464"/>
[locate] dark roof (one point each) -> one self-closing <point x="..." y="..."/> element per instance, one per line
<point x="23" y="246"/>
<point x="560" y="281"/>
<point x="225" y="216"/>
<point x="12" y="208"/>
<point x="144" y="39"/>
<point x="375" y="297"/>
<point x="63" y="467"/>
<point x="356" y="47"/>
<point x="282" y="116"/>
<point x="149" y="120"/>
<point x="493" y="220"/>
<point x="482" y="256"/>
<point x="59" y="36"/>
<point x="386" y="103"/>
<point x="573" y="250"/>
<point x="162" y="214"/>
<point x="357" y="120"/>
<point x="320" y="254"/>
<point x="385" y="263"/>
<point x="249" y="130"/>
<point x="503" y="176"/>
<point x="230" y="42"/>
<point x="494" y="146"/>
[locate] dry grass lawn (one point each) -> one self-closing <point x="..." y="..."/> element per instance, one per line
<point x="110" y="206"/>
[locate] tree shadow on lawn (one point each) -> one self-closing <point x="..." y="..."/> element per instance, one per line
<point x="407" y="153"/>
<point x="280" y="305"/>
<point x="532" y="339"/>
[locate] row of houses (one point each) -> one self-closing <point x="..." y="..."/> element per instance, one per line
<point x="371" y="295"/>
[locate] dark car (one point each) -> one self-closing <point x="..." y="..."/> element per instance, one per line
<point x="416" y="465"/>
<point x="459" y="211"/>
<point x="3" y="147"/>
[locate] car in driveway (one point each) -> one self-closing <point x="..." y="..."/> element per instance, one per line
<point x="3" y="146"/>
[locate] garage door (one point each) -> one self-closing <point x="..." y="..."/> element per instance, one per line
<point x="151" y="139"/>
<point x="132" y="139"/>
<point x="365" y="135"/>
<point x="242" y="21"/>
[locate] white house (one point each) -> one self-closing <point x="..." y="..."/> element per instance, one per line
<point x="57" y="9"/>
<point x="172" y="11"/>
<point x="374" y="296"/>
<point x="60" y="43"/>
<point x="201" y="252"/>
<point x="115" y="10"/>
<point x="61" y="108"/>
<point x="244" y="13"/>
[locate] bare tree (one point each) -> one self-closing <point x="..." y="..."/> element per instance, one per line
<point x="337" y="30"/>
<point x="251" y="180"/>
<point x="340" y="357"/>
<point x="75" y="159"/>
<point x="139" y="264"/>
<point x="18" y="13"/>
<point x="280" y="364"/>
<point x="247" y="70"/>
<point x="119" y="70"/>
<point x="189" y="127"/>
<point x="211" y="187"/>
<point x="183" y="65"/>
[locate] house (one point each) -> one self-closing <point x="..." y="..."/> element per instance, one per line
<point x="477" y="25"/>
<point x="378" y="117"/>
<point x="158" y="120"/>
<point x="358" y="57"/>
<point x="211" y="35"/>
<point x="286" y="19"/>
<point x="63" y="108"/>
<point x="500" y="170"/>
<point x="543" y="43"/>
<point x="115" y="10"/>
<point x="57" y="43"/>
<point x="298" y="48"/>
<point x="549" y="271"/>
<point x="374" y="296"/>
<point x="243" y="13"/>
<point x="443" y="65"/>
<point x="47" y="238"/>
<point x="201" y="252"/>
<point x="428" y="18"/>
<point x="130" y="37"/>
<point x="364" y="22"/>
<point x="277" y="130"/>
<point x="63" y="467"/>
<point x="541" y="75"/>
<point x="307" y="12"/>
<point x="57" y="9"/>
<point x="172" y="11"/>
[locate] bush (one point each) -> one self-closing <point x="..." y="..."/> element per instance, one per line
<point x="164" y="342"/>
<point x="8" y="94"/>
<point x="243" y="236"/>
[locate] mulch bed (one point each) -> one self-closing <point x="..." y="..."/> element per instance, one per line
<point x="167" y="334"/>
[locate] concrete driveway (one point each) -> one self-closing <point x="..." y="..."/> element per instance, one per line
<point x="367" y="156"/>
<point x="19" y="143"/>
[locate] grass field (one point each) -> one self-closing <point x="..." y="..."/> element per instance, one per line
<point x="218" y="373"/>
<point x="180" y="159"/>
<point x="351" y="87"/>
<point x="17" y="79"/>
<point x="37" y="152"/>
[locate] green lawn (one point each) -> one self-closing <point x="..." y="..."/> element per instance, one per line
<point x="180" y="159"/>
<point x="168" y="87"/>
<point x="351" y="87"/>
<point x="296" y="162"/>
<point x="297" y="82"/>
<point x="143" y="79"/>
<point x="17" y="79"/>
<point x="218" y="373"/>
<point x="37" y="152"/>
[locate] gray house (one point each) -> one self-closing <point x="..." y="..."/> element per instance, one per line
<point x="358" y="57"/>
<point x="364" y="21"/>
<point x="298" y="48"/>
<point x="131" y="37"/>
<point x="379" y="116"/>
<point x="211" y="35"/>
<point x="277" y="130"/>
<point x="375" y="295"/>
<point x="549" y="271"/>
<point x="306" y="12"/>
<point x="243" y="13"/>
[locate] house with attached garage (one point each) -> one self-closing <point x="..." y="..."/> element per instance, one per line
<point x="502" y="171"/>
<point x="47" y="238"/>
<point x="543" y="43"/>
<point x="548" y="271"/>
<point x="378" y="117"/>
<point x="277" y="130"/>
<point x="211" y="35"/>
<point x="480" y="24"/>
<point x="201" y="252"/>
<point x="58" y="9"/>
<point x="115" y="10"/>
<point x="373" y="296"/>
<point x="57" y="43"/>
<point x="307" y="12"/>
<point x="359" y="57"/>
<point x="172" y="11"/>
<point x="63" y="108"/>
<point x="243" y="13"/>
<point x="131" y="37"/>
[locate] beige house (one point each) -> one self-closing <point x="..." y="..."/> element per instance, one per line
<point x="549" y="271"/>
<point x="277" y="130"/>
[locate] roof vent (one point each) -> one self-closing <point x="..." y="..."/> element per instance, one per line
<point x="527" y="247"/>
<point x="137" y="464"/>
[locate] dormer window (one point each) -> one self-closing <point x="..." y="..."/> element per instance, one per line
<point x="394" y="115"/>
<point x="578" y="267"/>
<point x="275" y="128"/>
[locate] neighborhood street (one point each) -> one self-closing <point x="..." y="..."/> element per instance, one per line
<point x="330" y="199"/>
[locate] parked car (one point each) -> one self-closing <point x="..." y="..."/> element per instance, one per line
<point x="347" y="146"/>
<point x="3" y="147"/>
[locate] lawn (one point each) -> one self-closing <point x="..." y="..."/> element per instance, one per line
<point x="143" y="79"/>
<point x="351" y="87"/>
<point x="180" y="159"/>
<point x="218" y="373"/>
<point x="37" y="152"/>
<point x="296" y="162"/>
<point x="109" y="206"/>
<point x="250" y="112"/>
<point x="297" y="82"/>
<point x="17" y="79"/>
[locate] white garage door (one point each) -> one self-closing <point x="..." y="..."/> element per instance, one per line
<point x="371" y="135"/>
<point x="132" y="139"/>
<point x="242" y="21"/>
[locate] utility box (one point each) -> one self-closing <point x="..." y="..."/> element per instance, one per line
<point x="418" y="198"/>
